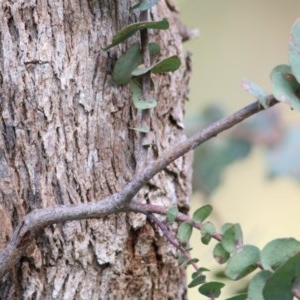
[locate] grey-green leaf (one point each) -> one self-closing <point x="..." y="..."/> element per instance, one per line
<point x="126" y="64"/>
<point x="294" y="49"/>
<point x="278" y="251"/>
<point x="129" y="61"/>
<point x="199" y="279"/>
<point x="143" y="128"/>
<point x="286" y="278"/>
<point x="169" y="64"/>
<point x="202" y="213"/>
<point x="184" y="232"/>
<point x="145" y="4"/>
<point x="208" y="228"/>
<point x="285" y="87"/>
<point x="256" y="285"/>
<point x="211" y="289"/>
<point x="131" y="29"/>
<point x="232" y="238"/>
<point x="172" y="214"/>
<point x="256" y="91"/>
<point x="220" y="254"/>
<point x="242" y="262"/>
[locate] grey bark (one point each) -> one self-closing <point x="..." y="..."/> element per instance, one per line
<point x="66" y="138"/>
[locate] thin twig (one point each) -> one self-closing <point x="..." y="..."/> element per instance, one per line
<point x="171" y="238"/>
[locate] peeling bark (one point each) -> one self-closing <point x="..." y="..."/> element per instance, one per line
<point x="65" y="139"/>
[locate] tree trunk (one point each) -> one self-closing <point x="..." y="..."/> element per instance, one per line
<point x="66" y="138"/>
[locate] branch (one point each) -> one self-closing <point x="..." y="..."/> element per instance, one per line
<point x="119" y="202"/>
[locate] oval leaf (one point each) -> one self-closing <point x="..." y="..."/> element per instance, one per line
<point x="242" y="262"/>
<point x="232" y="238"/>
<point x="202" y="213"/>
<point x="256" y="285"/>
<point x="197" y="280"/>
<point x="220" y="254"/>
<point x="207" y="230"/>
<point x="256" y="91"/>
<point x="211" y="289"/>
<point x="126" y="64"/>
<point x="184" y="232"/>
<point x="285" y="87"/>
<point x="281" y="283"/>
<point x="172" y="214"/>
<point x="131" y="29"/>
<point x="277" y="252"/>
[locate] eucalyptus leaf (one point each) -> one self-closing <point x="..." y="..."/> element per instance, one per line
<point x="242" y="262"/>
<point x="129" y="61"/>
<point x="172" y="214"/>
<point x="220" y="254"/>
<point x="202" y="213"/>
<point x="131" y="29"/>
<point x="232" y="238"/>
<point x="278" y="251"/>
<point x="281" y="283"/>
<point x="184" y="232"/>
<point x="145" y="4"/>
<point x="207" y="230"/>
<point x="169" y="64"/>
<point x="256" y="91"/>
<point x="144" y="129"/>
<point x="256" y="285"/>
<point x="199" y="279"/>
<point x="285" y="87"/>
<point x="211" y="289"/>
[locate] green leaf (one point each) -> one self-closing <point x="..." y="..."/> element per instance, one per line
<point x="131" y="29"/>
<point x="143" y="128"/>
<point x="242" y="262"/>
<point x="256" y="91"/>
<point x="181" y="260"/>
<point x="137" y="97"/>
<point x="232" y="238"/>
<point x="256" y="285"/>
<point x="238" y="297"/>
<point x="169" y="64"/>
<point x="202" y="213"/>
<point x="145" y="4"/>
<point x="207" y="230"/>
<point x="130" y="61"/>
<point x="199" y="279"/>
<point x="285" y="87"/>
<point x="278" y="251"/>
<point x="141" y="104"/>
<point x="192" y="261"/>
<point x="220" y="254"/>
<point x="184" y="232"/>
<point x="294" y="49"/>
<point x="281" y="283"/>
<point x="172" y="214"/>
<point x="211" y="289"/>
<point x="126" y="64"/>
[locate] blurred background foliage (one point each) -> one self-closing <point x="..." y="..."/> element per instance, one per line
<point x="251" y="173"/>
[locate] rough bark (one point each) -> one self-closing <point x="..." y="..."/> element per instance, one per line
<point x="66" y="138"/>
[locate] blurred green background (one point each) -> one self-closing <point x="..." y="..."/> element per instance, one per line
<point x="238" y="39"/>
